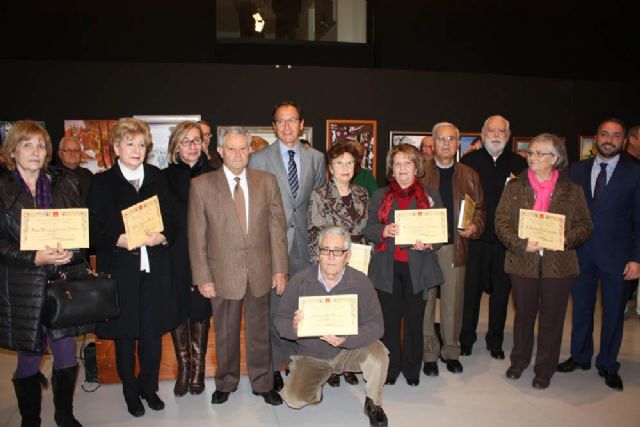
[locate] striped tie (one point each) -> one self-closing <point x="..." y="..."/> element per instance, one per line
<point x="293" y="174"/>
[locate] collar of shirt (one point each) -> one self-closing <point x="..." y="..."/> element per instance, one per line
<point x="132" y="174"/>
<point x="324" y="283"/>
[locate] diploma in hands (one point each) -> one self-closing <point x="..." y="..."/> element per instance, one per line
<point x="328" y="315"/>
<point x="48" y="227"/>
<point x="543" y="227"/>
<point x="141" y="219"/>
<point x="426" y="225"/>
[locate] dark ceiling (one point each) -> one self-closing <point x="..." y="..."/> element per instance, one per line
<point x="563" y="38"/>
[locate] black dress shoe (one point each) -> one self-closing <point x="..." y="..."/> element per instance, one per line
<point x="465" y="350"/>
<point x="350" y="378"/>
<point x="453" y="366"/>
<point x="270" y="397"/>
<point x="430" y="369"/>
<point x="611" y="379"/>
<point x="540" y="383"/>
<point x="513" y="373"/>
<point x="219" y="397"/>
<point x="571" y="365"/>
<point x="496" y="353"/>
<point x="334" y="380"/>
<point x="377" y="417"/>
<point x="413" y="382"/>
<point x="278" y="383"/>
<point x="134" y="406"/>
<point x="390" y="381"/>
<point x="154" y="401"/>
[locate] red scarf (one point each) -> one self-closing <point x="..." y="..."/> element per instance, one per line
<point x="384" y="211"/>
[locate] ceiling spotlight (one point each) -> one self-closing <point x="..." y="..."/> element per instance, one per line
<point x="259" y="22"/>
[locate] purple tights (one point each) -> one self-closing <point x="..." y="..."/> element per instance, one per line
<point x="64" y="356"/>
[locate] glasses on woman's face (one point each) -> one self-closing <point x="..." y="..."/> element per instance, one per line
<point x="187" y="142"/>
<point x="335" y="252"/>
<point x="342" y="164"/>
<point x="538" y="154"/>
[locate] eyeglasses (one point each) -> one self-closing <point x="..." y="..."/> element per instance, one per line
<point x="343" y="164"/>
<point x="206" y="134"/>
<point x="290" y="122"/>
<point x="445" y="138"/>
<point x="335" y="252"/>
<point x="187" y="142"/>
<point x="538" y="154"/>
<point x="71" y="150"/>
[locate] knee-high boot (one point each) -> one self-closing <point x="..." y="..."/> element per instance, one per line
<point x="181" y="340"/>
<point x="29" y="394"/>
<point x="199" y="341"/>
<point x="63" y="383"/>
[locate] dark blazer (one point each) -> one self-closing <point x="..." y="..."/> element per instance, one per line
<point x="423" y="265"/>
<point x="109" y="194"/>
<point x="190" y="303"/>
<point x="22" y="283"/>
<point x="616" y="216"/>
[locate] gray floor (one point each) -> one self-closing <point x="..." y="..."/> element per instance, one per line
<point x="481" y="396"/>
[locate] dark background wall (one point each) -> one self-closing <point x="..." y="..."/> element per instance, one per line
<point x="556" y="66"/>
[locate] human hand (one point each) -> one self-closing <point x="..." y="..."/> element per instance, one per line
<point x="533" y="247"/>
<point x="333" y="340"/>
<point x="154" y="238"/>
<point x="279" y="282"/>
<point x="390" y="230"/>
<point x="631" y="271"/>
<point x="52" y="256"/>
<point x="207" y="290"/>
<point x="419" y="246"/>
<point x="298" y="317"/>
<point x="469" y="231"/>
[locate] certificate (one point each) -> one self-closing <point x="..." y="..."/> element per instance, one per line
<point x="328" y="315"/>
<point x="48" y="227"/>
<point x="467" y="209"/>
<point x="140" y="219"/>
<point x="543" y="227"/>
<point x="360" y="257"/>
<point x="426" y="225"/>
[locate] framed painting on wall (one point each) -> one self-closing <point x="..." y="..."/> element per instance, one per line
<point x="93" y="135"/>
<point x="521" y="145"/>
<point x="469" y="142"/>
<point x="587" y="147"/>
<point x="397" y="137"/>
<point x="161" y="128"/>
<point x="363" y="132"/>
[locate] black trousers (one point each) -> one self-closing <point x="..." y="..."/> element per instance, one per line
<point x="485" y="271"/>
<point x="149" y="349"/>
<point x="403" y="304"/>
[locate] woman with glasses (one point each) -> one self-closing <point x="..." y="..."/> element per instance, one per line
<point x="146" y="295"/>
<point x="541" y="278"/>
<point x="402" y="274"/>
<point x="188" y="158"/>
<point x="342" y="203"/>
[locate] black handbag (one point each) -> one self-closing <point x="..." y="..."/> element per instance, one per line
<point x="79" y="296"/>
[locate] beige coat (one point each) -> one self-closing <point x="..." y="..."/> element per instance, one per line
<point x="218" y="250"/>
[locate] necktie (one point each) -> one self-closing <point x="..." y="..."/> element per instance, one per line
<point x="238" y="201"/>
<point x="135" y="183"/>
<point x="601" y="182"/>
<point x="293" y="174"/>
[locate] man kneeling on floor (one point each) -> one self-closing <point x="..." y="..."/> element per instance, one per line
<point x="319" y="357"/>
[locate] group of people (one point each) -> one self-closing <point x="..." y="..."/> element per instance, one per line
<point x="253" y="232"/>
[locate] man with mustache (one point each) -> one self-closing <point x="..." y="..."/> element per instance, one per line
<point x="495" y="164"/>
<point x="611" y="184"/>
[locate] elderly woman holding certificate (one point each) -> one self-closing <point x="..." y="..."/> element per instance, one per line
<point x="402" y="273"/>
<point x="29" y="184"/>
<point x="541" y="277"/>
<point x="342" y="203"/>
<point x="140" y="270"/>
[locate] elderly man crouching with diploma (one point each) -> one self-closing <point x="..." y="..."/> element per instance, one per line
<point x="319" y="357"/>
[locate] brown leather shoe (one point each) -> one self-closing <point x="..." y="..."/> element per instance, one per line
<point x="513" y="373"/>
<point x="334" y="380"/>
<point x="350" y="378"/>
<point x="540" y="383"/>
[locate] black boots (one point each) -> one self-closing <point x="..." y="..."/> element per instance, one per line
<point x="190" y="342"/>
<point x="63" y="383"/>
<point x="181" y="340"/>
<point x="29" y="394"/>
<point x="199" y="341"/>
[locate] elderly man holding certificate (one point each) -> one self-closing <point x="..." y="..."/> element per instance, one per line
<point x="311" y="303"/>
<point x="541" y="276"/>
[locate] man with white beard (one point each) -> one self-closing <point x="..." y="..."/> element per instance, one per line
<point x="496" y="164"/>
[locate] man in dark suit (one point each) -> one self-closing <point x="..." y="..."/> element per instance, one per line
<point x="299" y="170"/>
<point x="238" y="253"/>
<point x="70" y="153"/>
<point x="611" y="184"/>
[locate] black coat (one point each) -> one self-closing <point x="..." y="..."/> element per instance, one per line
<point x="22" y="283"/>
<point x="191" y="305"/>
<point x="109" y="194"/>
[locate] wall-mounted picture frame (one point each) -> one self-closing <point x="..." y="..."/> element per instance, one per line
<point x="363" y="132"/>
<point x="397" y="137"/>
<point x="469" y="142"/>
<point x="161" y="127"/>
<point x="520" y="145"/>
<point x="587" y="147"/>
<point x="93" y="136"/>
<point x="265" y="133"/>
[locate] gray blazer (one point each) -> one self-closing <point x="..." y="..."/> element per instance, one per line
<point x="312" y="175"/>
<point x="423" y="265"/>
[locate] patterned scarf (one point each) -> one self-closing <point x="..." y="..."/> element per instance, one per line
<point x="543" y="190"/>
<point x="44" y="191"/>
<point x="384" y="212"/>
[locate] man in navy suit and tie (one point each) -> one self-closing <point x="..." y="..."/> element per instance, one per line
<point x="611" y="184"/>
